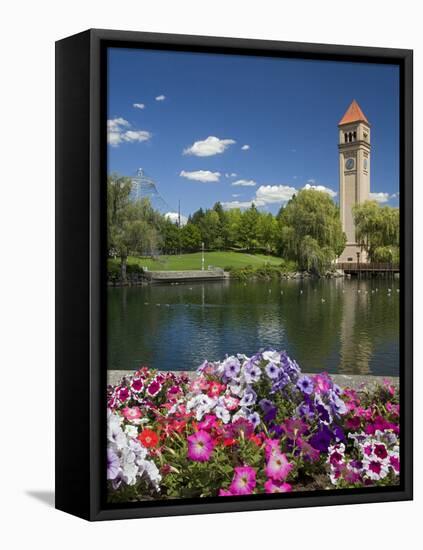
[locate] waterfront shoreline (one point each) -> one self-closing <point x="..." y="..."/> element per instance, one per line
<point x="193" y="276"/>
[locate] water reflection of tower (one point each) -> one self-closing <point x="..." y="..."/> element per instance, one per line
<point x="355" y="349"/>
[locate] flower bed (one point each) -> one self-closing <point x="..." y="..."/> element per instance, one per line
<point x="247" y="425"/>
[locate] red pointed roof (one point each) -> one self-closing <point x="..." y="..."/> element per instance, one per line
<point x="353" y="114"/>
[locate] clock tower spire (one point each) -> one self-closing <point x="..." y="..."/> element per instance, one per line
<point x="354" y="175"/>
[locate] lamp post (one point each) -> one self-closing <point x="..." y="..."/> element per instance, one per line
<point x="202" y="256"/>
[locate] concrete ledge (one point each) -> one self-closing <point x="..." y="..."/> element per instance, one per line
<point x="182" y="276"/>
<point x="343" y="380"/>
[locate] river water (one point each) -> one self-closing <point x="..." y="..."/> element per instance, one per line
<point x="346" y="326"/>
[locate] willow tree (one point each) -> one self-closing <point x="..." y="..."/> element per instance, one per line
<point x="133" y="227"/>
<point x="378" y="228"/>
<point x="310" y="231"/>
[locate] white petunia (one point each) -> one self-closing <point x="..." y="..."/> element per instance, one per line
<point x="273" y="356"/>
<point x="131" y="431"/>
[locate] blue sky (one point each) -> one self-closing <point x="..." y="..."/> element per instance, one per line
<point x="187" y="119"/>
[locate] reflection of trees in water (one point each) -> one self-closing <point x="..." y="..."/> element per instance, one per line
<point x="323" y="324"/>
<point x="370" y="319"/>
<point x="312" y="319"/>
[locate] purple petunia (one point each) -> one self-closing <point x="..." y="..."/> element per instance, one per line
<point x="113" y="464"/>
<point x="305" y="384"/>
<point x="249" y="398"/>
<point x="272" y="371"/>
<point x="252" y="373"/>
<point x="232" y="368"/>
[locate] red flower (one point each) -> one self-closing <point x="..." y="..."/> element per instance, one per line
<point x="148" y="438"/>
<point x="255" y="439"/>
<point x="215" y="389"/>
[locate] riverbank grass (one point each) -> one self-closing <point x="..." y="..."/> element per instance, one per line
<point x="223" y="259"/>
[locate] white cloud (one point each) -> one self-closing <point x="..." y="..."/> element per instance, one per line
<point x="204" y="176"/>
<point x="236" y="195"/>
<point x="118" y="132"/>
<point x="231" y="175"/>
<point x="208" y="147"/>
<point x="245" y="147"/>
<point x="380" y="197"/>
<point x="268" y="194"/>
<point x="160" y="97"/>
<point x="265" y="194"/>
<point x="237" y="204"/>
<point x="321" y="188"/>
<point x="138" y="105"/>
<point x="174" y="216"/>
<point x="244" y="183"/>
<point x="116" y="124"/>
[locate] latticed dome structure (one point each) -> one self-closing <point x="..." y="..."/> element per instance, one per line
<point x="144" y="186"/>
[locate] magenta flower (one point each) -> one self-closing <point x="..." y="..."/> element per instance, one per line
<point x="278" y="467"/>
<point x="200" y="446"/>
<point x="322" y="382"/>
<point x="208" y="423"/>
<point x="123" y="394"/>
<point x="154" y="387"/>
<point x="137" y="385"/>
<point x="394" y="462"/>
<point x="271" y="486"/>
<point x="272" y="447"/>
<point x="244" y="481"/>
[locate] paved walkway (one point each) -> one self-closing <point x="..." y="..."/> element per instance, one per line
<point x="343" y="380"/>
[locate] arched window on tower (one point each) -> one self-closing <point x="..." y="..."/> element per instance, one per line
<point x="346" y="137"/>
<point x="355" y="136"/>
<point x="350" y="137"/>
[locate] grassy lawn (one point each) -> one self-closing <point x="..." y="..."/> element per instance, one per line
<point x="193" y="261"/>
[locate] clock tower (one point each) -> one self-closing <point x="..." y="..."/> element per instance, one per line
<point x="354" y="175"/>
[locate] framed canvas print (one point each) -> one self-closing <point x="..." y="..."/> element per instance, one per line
<point x="234" y="275"/>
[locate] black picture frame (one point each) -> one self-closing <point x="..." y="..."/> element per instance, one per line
<point x="80" y="271"/>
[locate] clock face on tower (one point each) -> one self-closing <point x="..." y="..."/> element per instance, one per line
<point x="349" y="164"/>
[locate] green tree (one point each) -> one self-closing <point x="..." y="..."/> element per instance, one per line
<point x="234" y="218"/>
<point x="190" y="238"/>
<point x="209" y="228"/>
<point x="133" y="227"/>
<point x="266" y="231"/>
<point x="248" y="228"/>
<point x="170" y="237"/>
<point x="310" y="231"/>
<point x="378" y="228"/>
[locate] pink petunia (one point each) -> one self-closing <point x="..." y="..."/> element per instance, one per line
<point x="200" y="446"/>
<point x="208" y="423"/>
<point x="322" y="382"/>
<point x="244" y="481"/>
<point x="278" y="467"/>
<point x="271" y="486"/>
<point x="131" y="413"/>
<point x="272" y="447"/>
